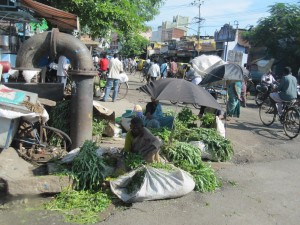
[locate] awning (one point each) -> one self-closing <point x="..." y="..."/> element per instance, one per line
<point x="60" y="18"/>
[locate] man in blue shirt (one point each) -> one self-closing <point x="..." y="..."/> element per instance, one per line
<point x="287" y="89"/>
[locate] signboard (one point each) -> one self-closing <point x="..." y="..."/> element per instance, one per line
<point x="207" y="45"/>
<point x="235" y="57"/>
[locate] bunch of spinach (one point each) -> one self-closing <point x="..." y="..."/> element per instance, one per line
<point x="188" y="158"/>
<point x="133" y="160"/>
<point x="219" y="147"/>
<point x="181" y="151"/>
<point x="204" y="176"/>
<point x="88" y="168"/>
<point x="186" y="116"/>
<point x="163" y="133"/>
<point x="80" y="207"/>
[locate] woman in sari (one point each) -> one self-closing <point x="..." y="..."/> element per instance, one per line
<point x="234" y="97"/>
<point x="154" y="116"/>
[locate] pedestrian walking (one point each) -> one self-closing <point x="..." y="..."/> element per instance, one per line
<point x="113" y="78"/>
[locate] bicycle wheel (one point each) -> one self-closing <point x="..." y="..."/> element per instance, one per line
<point x="267" y="112"/>
<point x="55" y="140"/>
<point x="291" y="122"/>
<point x="123" y="90"/>
<point x="259" y="98"/>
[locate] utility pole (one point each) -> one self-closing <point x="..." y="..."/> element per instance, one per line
<point x="199" y="3"/>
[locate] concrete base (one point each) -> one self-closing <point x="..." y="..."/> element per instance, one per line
<point x="18" y="177"/>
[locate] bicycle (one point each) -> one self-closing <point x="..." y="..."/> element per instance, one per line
<point x="290" y="117"/>
<point x="100" y="82"/>
<point x="39" y="143"/>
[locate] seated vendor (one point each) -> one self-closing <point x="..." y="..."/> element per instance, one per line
<point x="140" y="140"/>
<point x="154" y="116"/>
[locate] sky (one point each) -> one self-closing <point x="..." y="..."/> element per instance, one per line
<point x="239" y="13"/>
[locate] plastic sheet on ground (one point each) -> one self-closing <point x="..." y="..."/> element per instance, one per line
<point x="157" y="184"/>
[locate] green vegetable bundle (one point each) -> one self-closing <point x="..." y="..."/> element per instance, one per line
<point x="188" y="158"/>
<point x="163" y="133"/>
<point x="136" y="181"/>
<point x="88" y="168"/>
<point x="219" y="147"/>
<point x="204" y="176"/>
<point x="80" y="206"/>
<point x="133" y="161"/>
<point x="181" y="151"/>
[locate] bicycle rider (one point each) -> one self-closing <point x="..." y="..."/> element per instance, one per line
<point x="286" y="91"/>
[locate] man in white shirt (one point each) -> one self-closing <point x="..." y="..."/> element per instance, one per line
<point x="154" y="71"/>
<point x="192" y="75"/>
<point x="62" y="67"/>
<point x="268" y="78"/>
<point x="113" y="78"/>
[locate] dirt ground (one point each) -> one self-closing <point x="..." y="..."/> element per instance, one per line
<point x="261" y="183"/>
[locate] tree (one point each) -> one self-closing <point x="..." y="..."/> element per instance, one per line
<point x="280" y="33"/>
<point x="134" y="46"/>
<point x="126" y="17"/>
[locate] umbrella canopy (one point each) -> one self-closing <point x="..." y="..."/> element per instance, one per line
<point x="180" y="90"/>
<point x="225" y="73"/>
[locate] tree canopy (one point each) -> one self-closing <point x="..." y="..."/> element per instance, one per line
<point x="280" y="33"/>
<point x="103" y="16"/>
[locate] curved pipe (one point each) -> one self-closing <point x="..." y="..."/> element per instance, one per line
<point x="39" y="46"/>
<point x="35" y="49"/>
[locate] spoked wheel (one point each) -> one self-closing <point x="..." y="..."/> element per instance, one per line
<point x="267" y="112"/>
<point x="55" y="140"/>
<point x="123" y="90"/>
<point x="291" y="123"/>
<point x="259" y="98"/>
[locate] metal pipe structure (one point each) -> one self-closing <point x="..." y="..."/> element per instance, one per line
<point x="54" y="44"/>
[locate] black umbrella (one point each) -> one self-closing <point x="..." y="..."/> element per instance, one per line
<point x="180" y="90"/>
<point x="225" y="73"/>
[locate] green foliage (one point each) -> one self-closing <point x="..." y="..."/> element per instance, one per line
<point x="98" y="126"/>
<point x="88" y="168"/>
<point x="280" y="33"/>
<point x="204" y="176"/>
<point x="136" y="181"/>
<point x="208" y="120"/>
<point x="80" y="207"/>
<point x="43" y="26"/>
<point x="219" y="147"/>
<point x="181" y="151"/>
<point x="133" y="45"/>
<point x="163" y="133"/>
<point x="186" y="116"/>
<point x="102" y="16"/>
<point x="164" y="166"/>
<point x="188" y="158"/>
<point x="60" y="116"/>
<point x="133" y="161"/>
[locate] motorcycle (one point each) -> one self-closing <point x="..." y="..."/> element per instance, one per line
<point x="263" y="90"/>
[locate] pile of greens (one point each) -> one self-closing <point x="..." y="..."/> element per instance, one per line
<point x="88" y="169"/>
<point x="188" y="158"/>
<point x="219" y="147"/>
<point x="80" y="207"/>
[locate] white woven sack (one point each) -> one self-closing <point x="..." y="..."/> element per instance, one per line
<point x="157" y="184"/>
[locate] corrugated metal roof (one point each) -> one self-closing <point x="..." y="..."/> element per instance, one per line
<point x="60" y="18"/>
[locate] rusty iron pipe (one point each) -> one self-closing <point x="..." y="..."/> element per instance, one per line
<point x="83" y="71"/>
